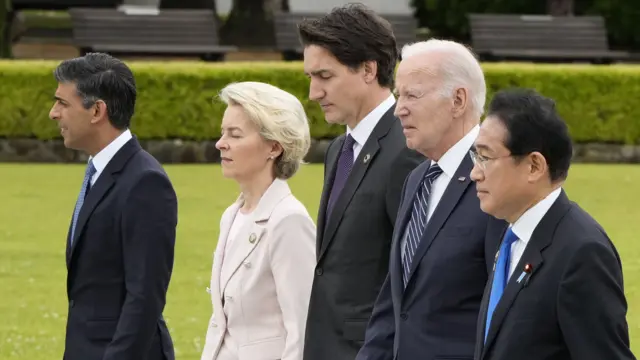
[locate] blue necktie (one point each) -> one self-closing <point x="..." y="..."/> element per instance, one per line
<point x="86" y="184"/>
<point x="500" y="276"/>
<point x="418" y="222"/>
<point x="345" y="164"/>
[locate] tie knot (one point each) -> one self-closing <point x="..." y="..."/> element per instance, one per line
<point x="91" y="169"/>
<point x="434" y="171"/>
<point x="348" y="143"/>
<point x="510" y="237"/>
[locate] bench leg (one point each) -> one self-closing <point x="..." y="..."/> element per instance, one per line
<point x="289" y="55"/>
<point x="212" y="57"/>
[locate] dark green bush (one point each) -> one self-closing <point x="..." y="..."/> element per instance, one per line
<point x="177" y="100"/>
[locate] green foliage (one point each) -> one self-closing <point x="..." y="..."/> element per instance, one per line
<point x="448" y="18"/>
<point x="178" y="100"/>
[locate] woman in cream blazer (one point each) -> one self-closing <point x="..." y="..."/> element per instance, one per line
<point x="265" y="256"/>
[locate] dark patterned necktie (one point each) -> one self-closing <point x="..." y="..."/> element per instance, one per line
<point x="418" y="222"/>
<point x="86" y="184"/>
<point x="345" y="164"/>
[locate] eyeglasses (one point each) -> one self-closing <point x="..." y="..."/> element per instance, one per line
<point x="481" y="161"/>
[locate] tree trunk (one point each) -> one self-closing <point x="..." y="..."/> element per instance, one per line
<point x="560" y="7"/>
<point x="250" y="24"/>
<point x="6" y="19"/>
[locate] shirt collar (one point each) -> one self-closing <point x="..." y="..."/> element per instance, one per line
<point x="527" y="223"/>
<point x="361" y="132"/>
<point x="105" y="155"/>
<point x="451" y="160"/>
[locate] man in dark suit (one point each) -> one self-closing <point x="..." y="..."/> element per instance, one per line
<point x="120" y="244"/>
<point x="556" y="292"/>
<point x="440" y="258"/>
<point x="350" y="56"/>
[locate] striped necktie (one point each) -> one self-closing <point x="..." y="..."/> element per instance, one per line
<point x="418" y="221"/>
<point x="86" y="184"/>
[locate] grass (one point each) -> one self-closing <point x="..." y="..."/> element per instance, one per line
<point x="37" y="201"/>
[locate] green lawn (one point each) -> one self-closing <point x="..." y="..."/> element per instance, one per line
<point x="37" y="201"/>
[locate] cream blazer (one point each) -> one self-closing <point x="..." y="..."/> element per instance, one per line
<point x="265" y="282"/>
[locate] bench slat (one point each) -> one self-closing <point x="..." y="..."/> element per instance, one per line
<point x="543" y="36"/>
<point x="174" y="31"/>
<point x="286" y="30"/>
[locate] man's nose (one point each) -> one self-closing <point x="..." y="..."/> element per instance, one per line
<point x="315" y="92"/>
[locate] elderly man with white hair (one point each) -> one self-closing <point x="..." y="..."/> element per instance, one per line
<point x="265" y="256"/>
<point x="443" y="244"/>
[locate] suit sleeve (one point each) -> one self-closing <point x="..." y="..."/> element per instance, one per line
<point x="148" y="237"/>
<point x="405" y="162"/>
<point x="381" y="330"/>
<point x="592" y="305"/>
<point x="380" y="334"/>
<point x="293" y="260"/>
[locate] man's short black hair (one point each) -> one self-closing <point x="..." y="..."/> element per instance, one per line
<point x="533" y="124"/>
<point x="100" y="76"/>
<point x="354" y="34"/>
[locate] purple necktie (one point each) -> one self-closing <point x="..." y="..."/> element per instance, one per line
<point x="345" y="163"/>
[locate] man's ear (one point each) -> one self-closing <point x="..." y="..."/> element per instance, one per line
<point x="370" y="71"/>
<point x="460" y="102"/>
<point x="99" y="111"/>
<point x="538" y="167"/>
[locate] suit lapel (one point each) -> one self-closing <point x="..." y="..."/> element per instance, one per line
<point x="239" y="249"/>
<point x="445" y="207"/>
<point x="540" y="239"/>
<point x="360" y="167"/>
<point x="251" y="233"/>
<point x="332" y="160"/>
<point x="102" y="186"/>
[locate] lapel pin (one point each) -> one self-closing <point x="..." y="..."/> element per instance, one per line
<point x="252" y="238"/>
<point x="526" y="272"/>
<point x="462" y="178"/>
<point x="366" y="158"/>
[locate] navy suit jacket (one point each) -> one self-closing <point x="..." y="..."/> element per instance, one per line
<point x="435" y="316"/>
<point x="120" y="263"/>
<point x="570" y="305"/>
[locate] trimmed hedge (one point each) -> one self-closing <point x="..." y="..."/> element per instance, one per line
<point x="177" y="99"/>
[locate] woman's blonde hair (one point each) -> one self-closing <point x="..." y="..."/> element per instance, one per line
<point x="279" y="117"/>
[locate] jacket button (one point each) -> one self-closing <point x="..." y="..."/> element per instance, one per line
<point x="403" y="316"/>
<point x="319" y="271"/>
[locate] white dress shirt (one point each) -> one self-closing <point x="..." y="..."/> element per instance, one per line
<point x="101" y="160"/>
<point x="365" y="127"/>
<point x="526" y="224"/>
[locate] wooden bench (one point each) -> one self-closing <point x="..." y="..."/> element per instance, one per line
<point x="61" y="4"/>
<point x="543" y="38"/>
<point x="175" y="32"/>
<point x="288" y="42"/>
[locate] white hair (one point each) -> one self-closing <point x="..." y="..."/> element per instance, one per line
<point x="279" y="117"/>
<point x="460" y="68"/>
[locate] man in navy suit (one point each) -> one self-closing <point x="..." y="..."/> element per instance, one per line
<point x="556" y="292"/>
<point x="120" y="244"/>
<point x="440" y="257"/>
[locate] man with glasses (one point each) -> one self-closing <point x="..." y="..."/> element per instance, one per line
<point x="443" y="247"/>
<point x="556" y="292"/>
